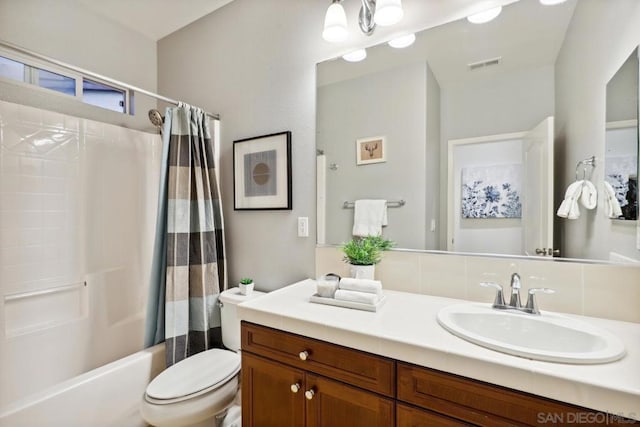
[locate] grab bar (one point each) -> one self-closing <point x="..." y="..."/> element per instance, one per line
<point x="23" y="295"/>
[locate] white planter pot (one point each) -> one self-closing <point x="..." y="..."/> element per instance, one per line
<point x="363" y="271"/>
<point x="246" y="289"/>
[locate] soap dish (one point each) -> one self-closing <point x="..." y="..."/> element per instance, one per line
<point x="315" y="298"/>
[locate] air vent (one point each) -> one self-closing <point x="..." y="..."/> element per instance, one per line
<point x="484" y="63"/>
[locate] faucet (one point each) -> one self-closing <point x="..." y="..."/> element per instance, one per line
<point x="514" y="303"/>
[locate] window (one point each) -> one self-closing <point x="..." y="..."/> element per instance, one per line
<point x="104" y="96"/>
<point x="54" y="81"/>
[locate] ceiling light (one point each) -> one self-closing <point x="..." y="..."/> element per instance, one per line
<point x="335" y="23"/>
<point x="551" y="2"/>
<point x="388" y="12"/>
<point x="355" y="56"/>
<point x="403" y="41"/>
<point x="486" y="16"/>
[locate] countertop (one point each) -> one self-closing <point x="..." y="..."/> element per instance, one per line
<point x="405" y="328"/>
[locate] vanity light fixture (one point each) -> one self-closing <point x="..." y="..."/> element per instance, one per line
<point x="402" y="42"/>
<point x="335" y="23"/>
<point x="551" y="2"/>
<point x="485" y="16"/>
<point x="372" y="12"/>
<point x="355" y="56"/>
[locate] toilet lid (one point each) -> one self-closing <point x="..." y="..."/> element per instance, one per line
<point x="196" y="373"/>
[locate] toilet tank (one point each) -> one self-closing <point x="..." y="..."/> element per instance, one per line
<point x="228" y="316"/>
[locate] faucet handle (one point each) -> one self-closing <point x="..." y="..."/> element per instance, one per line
<point x="532" y="306"/>
<point x="498" y="302"/>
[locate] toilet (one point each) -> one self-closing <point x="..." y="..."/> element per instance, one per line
<point x="202" y="390"/>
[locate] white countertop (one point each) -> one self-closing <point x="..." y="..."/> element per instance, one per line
<point x="405" y="328"/>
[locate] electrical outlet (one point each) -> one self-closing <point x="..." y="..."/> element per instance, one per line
<point x="303" y="226"/>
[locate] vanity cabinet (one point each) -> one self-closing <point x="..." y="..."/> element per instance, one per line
<point x="289" y="380"/>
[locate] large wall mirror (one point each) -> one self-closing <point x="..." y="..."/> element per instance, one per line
<point x="474" y="123"/>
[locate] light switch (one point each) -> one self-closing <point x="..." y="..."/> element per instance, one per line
<point x="303" y="226"/>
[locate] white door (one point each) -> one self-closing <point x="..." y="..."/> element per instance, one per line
<point x="537" y="201"/>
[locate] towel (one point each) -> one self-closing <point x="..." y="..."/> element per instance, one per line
<point x="361" y="285"/>
<point x="569" y="206"/>
<point x="355" y="296"/>
<point x="368" y="217"/>
<point x="612" y="205"/>
<point x="589" y="195"/>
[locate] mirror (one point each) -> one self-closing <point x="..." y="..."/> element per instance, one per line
<point x="621" y="139"/>
<point x="461" y="102"/>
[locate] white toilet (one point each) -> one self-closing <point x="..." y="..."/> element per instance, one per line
<point x="202" y="390"/>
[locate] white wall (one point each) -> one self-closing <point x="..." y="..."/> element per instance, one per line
<point x="67" y="31"/>
<point x="580" y="113"/>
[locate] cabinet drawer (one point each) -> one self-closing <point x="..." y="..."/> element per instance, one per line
<point x="368" y="371"/>
<point x="408" y="416"/>
<point x="480" y="403"/>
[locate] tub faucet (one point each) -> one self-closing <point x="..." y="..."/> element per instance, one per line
<point x="514" y="302"/>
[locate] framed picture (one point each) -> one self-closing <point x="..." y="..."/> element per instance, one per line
<point x="371" y="150"/>
<point x="262" y="172"/>
<point x="492" y="191"/>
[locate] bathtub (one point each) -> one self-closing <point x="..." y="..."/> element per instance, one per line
<point x="108" y="396"/>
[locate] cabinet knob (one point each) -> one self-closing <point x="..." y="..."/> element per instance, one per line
<point x="304" y="355"/>
<point x="309" y="394"/>
<point x="295" y="387"/>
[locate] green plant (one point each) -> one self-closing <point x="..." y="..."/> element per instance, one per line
<point x="365" y="250"/>
<point x="246" y="281"/>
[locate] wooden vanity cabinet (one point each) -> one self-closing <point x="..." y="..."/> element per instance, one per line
<point x="289" y="380"/>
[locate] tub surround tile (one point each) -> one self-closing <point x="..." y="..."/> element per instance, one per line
<point x="405" y="329"/>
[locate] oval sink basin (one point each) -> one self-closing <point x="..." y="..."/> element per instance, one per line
<point x="549" y="337"/>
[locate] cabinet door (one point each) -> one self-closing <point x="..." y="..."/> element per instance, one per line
<point x="334" y="404"/>
<point x="268" y="399"/>
<point x="407" y="416"/>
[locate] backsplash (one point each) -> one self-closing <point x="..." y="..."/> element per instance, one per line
<point x="597" y="290"/>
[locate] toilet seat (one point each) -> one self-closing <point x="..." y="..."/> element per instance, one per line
<point x="194" y="376"/>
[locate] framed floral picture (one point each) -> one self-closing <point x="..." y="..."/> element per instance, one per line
<point x="492" y="191"/>
<point x="371" y="150"/>
<point x="262" y="172"/>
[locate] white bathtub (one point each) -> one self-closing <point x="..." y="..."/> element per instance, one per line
<point x="108" y="396"/>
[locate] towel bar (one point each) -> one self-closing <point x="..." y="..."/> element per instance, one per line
<point x="390" y="204"/>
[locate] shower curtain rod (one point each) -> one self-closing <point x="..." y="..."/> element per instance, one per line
<point x="95" y="75"/>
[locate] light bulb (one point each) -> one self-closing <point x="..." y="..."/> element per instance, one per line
<point x="335" y="24"/>
<point x="402" y="42"/>
<point x="551" y="2"/>
<point x="485" y="16"/>
<point x="388" y="12"/>
<point x="355" y="56"/>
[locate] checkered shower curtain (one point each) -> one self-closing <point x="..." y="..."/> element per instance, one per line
<point x="194" y="255"/>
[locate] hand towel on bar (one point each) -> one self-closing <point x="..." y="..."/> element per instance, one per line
<point x="569" y="206"/>
<point x="369" y="216"/>
<point x="589" y="195"/>
<point x="613" y="209"/>
<point x="355" y="296"/>
<point x="361" y="285"/>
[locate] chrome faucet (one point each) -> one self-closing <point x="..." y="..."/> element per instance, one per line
<point x="530" y="307"/>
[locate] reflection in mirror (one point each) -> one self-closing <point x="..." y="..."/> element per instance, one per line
<point x="458" y="83"/>
<point x="621" y="139"/>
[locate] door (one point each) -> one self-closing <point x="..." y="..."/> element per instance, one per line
<point x="334" y="404"/>
<point x="272" y="393"/>
<point x="537" y="201"/>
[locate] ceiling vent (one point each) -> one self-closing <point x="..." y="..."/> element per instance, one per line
<point x="484" y="63"/>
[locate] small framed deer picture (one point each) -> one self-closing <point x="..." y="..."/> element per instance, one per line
<point x="371" y="150"/>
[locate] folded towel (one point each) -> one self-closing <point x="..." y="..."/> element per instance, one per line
<point x="369" y="217"/>
<point x="612" y="209"/>
<point x="355" y="296"/>
<point x="361" y="285"/>
<point x="589" y="195"/>
<point x="569" y="206"/>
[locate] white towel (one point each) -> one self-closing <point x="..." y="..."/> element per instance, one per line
<point x="569" y="206"/>
<point x="361" y="285"/>
<point x="589" y="195"/>
<point x="612" y="205"/>
<point x="368" y="217"/>
<point x="355" y="296"/>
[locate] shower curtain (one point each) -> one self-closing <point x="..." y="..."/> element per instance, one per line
<point x="188" y="270"/>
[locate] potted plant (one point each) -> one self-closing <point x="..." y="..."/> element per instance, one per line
<point x="246" y="286"/>
<point x="363" y="253"/>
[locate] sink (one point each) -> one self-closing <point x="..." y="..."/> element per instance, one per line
<point x="549" y="337"/>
